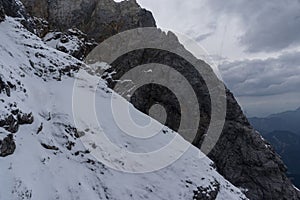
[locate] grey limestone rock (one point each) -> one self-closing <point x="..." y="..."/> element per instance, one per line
<point x="241" y="155"/>
<point x="98" y="19"/>
<point x="7" y="146"/>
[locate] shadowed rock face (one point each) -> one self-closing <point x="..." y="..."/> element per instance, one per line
<point x="244" y="158"/>
<point x="13" y="8"/>
<point x="241" y="155"/>
<point x="98" y="19"/>
<point x="7" y="146"/>
<point x="2" y="13"/>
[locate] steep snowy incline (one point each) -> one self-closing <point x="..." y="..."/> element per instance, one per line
<point x="50" y="160"/>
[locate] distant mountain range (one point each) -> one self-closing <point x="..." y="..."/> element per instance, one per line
<point x="282" y="131"/>
<point x="285" y="121"/>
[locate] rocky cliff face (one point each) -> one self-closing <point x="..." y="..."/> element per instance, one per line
<point x="244" y="158"/>
<point x="49" y="160"/>
<point x="98" y="19"/>
<point x="240" y="155"/>
<point x="15" y="8"/>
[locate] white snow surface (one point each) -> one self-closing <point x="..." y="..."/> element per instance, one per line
<point x="34" y="172"/>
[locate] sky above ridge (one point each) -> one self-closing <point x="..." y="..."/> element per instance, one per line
<point x="255" y="44"/>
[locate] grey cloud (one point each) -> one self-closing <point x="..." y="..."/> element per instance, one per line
<point x="271" y="76"/>
<point x="269" y="25"/>
<point x="261" y="26"/>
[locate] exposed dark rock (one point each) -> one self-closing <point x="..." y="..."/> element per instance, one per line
<point x="156" y="93"/>
<point x="209" y="193"/>
<point x="49" y="147"/>
<point x="13" y="8"/>
<point x="4" y="87"/>
<point x="16" y="9"/>
<point x="41" y="26"/>
<point x="40" y="128"/>
<point x="70" y="145"/>
<point x="99" y="19"/>
<point x="7" y="146"/>
<point x="25" y="118"/>
<point x="15" y="112"/>
<point x="287" y="145"/>
<point x="2" y="12"/>
<point x="240" y="155"/>
<point x="78" y="134"/>
<point x="72" y="131"/>
<point x="82" y="152"/>
<point x="11" y="122"/>
<point x="73" y="42"/>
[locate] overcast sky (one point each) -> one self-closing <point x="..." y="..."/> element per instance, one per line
<point x="256" y="45"/>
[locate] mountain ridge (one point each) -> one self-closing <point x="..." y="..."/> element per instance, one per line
<point x="282" y="131"/>
<point x="50" y="160"/>
<point x="285" y="121"/>
<point x="239" y="145"/>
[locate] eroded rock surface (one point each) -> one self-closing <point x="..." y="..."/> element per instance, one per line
<point x="73" y="42"/>
<point x="7" y="146"/>
<point x="15" y="8"/>
<point x="98" y="19"/>
<point x="241" y="155"/>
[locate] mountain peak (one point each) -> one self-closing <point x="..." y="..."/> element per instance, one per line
<point x="39" y="81"/>
<point x="42" y="155"/>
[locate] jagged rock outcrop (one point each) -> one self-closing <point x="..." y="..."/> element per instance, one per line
<point x="98" y="19"/>
<point x="11" y="124"/>
<point x="208" y="193"/>
<point x="241" y="155"/>
<point x="7" y="146"/>
<point x="15" y="8"/>
<point x="76" y="27"/>
<point x="245" y="159"/>
<point x="56" y="159"/>
<point x="73" y="42"/>
<point x="5" y="87"/>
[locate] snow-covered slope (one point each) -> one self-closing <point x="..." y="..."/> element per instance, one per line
<point x="50" y="160"/>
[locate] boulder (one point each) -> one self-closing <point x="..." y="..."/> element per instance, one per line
<point x="7" y="146"/>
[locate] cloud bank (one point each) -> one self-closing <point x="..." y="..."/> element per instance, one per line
<point x="268" y="25"/>
<point x="238" y="32"/>
<point x="274" y="83"/>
